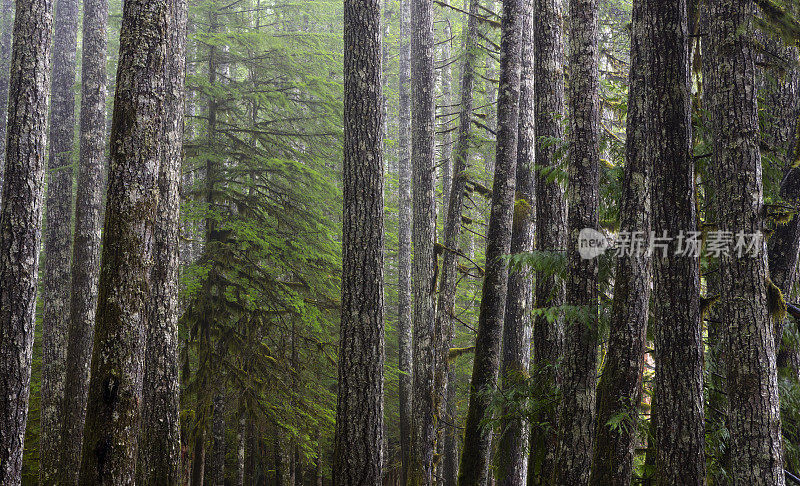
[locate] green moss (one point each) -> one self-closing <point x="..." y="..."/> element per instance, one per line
<point x="776" y="304"/>
<point x="456" y="352"/>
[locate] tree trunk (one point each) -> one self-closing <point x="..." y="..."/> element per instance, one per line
<point x="577" y="409"/>
<point x="6" y="37"/>
<point x="241" y="445"/>
<point x="445" y="112"/>
<point x="86" y="249"/>
<point x="475" y="458"/>
<point x="115" y="388"/>
<point x="512" y="448"/>
<point x="205" y="365"/>
<point x="620" y="388"/>
<point x="451" y="434"/>
<point x="715" y="359"/>
<point x="404" y="309"/>
<point x="423" y="153"/>
<point x="57" y="237"/>
<point x="199" y="454"/>
<point x="216" y="472"/>
<point x="551" y="231"/>
<point x="454" y="208"/>
<point x="20" y="223"/>
<point x="678" y="420"/>
<point x="779" y="88"/>
<point x="754" y="416"/>
<point x="358" y="456"/>
<point x="159" y="450"/>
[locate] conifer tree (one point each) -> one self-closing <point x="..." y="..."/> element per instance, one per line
<point x="20" y="223"/>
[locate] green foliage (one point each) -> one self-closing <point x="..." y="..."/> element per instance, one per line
<point x="263" y="294"/>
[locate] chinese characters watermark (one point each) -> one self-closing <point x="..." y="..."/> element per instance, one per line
<point x="690" y="244"/>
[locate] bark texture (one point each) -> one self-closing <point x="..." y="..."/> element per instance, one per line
<point x="159" y="448"/>
<point x="358" y="456"/>
<point x="86" y="249"/>
<point x="20" y="223"/>
<point x="678" y="418"/>
<point x="57" y="237"/>
<point x="475" y="459"/>
<point x="6" y="37"/>
<point x="577" y="408"/>
<point x="404" y="309"/>
<point x="754" y="414"/>
<point x="551" y="231"/>
<point x="511" y="458"/>
<point x="113" y="416"/>
<point x="423" y="174"/>
<point x="620" y="388"/>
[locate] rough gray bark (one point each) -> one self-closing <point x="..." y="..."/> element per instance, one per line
<point x="57" y="237"/>
<point x="511" y="457"/>
<point x="754" y="414"/>
<point x="577" y="408"/>
<point x="423" y="174"/>
<point x="115" y="389"/>
<point x="20" y="223"/>
<point x="6" y="37"/>
<point x="404" y="309"/>
<point x="620" y="388"/>
<point x="159" y="447"/>
<point x="358" y="444"/>
<point x="86" y="249"/>
<point x="551" y="230"/>
<point x="477" y="439"/>
<point x="678" y="418"/>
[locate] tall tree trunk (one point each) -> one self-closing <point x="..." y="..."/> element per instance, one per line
<point x="678" y="420"/>
<point x="715" y="359"/>
<point x="20" y="223"/>
<point x="454" y="208"/>
<point x="6" y="37"/>
<point x="115" y="389"/>
<point x="754" y="416"/>
<point x="216" y="468"/>
<point x="86" y="249"/>
<point x="512" y="448"/>
<point x="358" y="456"/>
<point x="241" y="445"/>
<point x="423" y="153"/>
<point x="551" y="231"/>
<point x="58" y="236"/>
<point x="404" y="309"/>
<point x="577" y="408"/>
<point x="159" y="449"/>
<point x="202" y="407"/>
<point x="205" y="365"/>
<point x="477" y="439"/>
<point x="445" y="112"/>
<point x="451" y="434"/>
<point x="779" y="88"/>
<point x="620" y="388"/>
